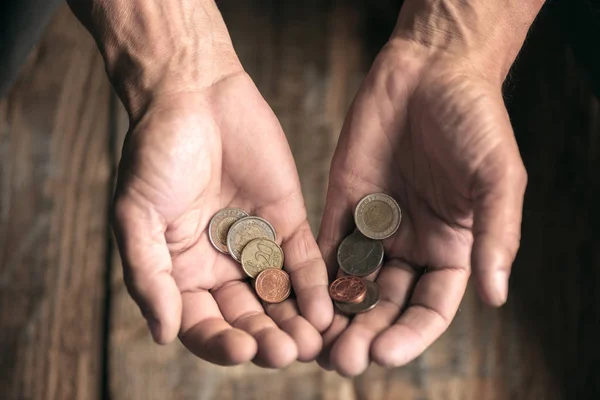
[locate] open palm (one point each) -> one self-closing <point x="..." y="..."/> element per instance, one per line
<point x="190" y="155"/>
<point x="438" y="139"/>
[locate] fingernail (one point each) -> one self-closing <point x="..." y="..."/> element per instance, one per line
<point x="154" y="327"/>
<point x="500" y="281"/>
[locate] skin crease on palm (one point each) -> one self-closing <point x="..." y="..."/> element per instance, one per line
<point x="189" y="156"/>
<point x="438" y="140"/>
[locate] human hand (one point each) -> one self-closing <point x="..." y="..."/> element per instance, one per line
<point x="201" y="139"/>
<point x="189" y="156"/>
<point x="433" y="133"/>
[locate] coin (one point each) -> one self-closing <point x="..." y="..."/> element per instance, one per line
<point x="358" y="255"/>
<point x="348" y="289"/>
<point x="273" y="285"/>
<point x="260" y="254"/>
<point x="369" y="302"/>
<point x="245" y="230"/>
<point x="377" y="216"/>
<point x="219" y="226"/>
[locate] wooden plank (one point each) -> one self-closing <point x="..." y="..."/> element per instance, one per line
<point x="53" y="179"/>
<point x="307" y="59"/>
<point x="54" y="175"/>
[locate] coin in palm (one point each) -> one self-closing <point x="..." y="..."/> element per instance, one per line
<point x="358" y="255"/>
<point x="220" y="224"/>
<point x="369" y="302"/>
<point x="260" y="254"/>
<point x="244" y="231"/>
<point x="273" y="285"/>
<point x="377" y="216"/>
<point x="348" y="289"/>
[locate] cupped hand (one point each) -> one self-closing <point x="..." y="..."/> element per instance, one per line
<point x="432" y="132"/>
<point x="188" y="156"/>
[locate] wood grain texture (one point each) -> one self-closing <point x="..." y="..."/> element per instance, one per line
<point x="308" y="59"/>
<point x="54" y="170"/>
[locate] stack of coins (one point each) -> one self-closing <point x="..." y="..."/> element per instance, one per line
<point x="250" y="241"/>
<point x="377" y="216"/>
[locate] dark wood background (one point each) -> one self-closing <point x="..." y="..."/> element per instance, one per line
<point x="68" y="329"/>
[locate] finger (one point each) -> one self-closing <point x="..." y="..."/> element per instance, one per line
<point x="431" y="308"/>
<point x="241" y="308"/>
<point x="351" y="353"/>
<point x="308" y="274"/>
<point x="308" y="340"/>
<point x="497" y="224"/>
<point x="339" y="323"/>
<point x="147" y="267"/>
<point x="337" y="223"/>
<point x="206" y="334"/>
<point x="337" y="329"/>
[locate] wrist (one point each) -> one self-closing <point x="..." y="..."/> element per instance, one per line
<point x="155" y="48"/>
<point x="484" y="34"/>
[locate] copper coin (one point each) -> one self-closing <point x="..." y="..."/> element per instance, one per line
<point x="348" y="289"/>
<point x="273" y="285"/>
<point x="368" y="303"/>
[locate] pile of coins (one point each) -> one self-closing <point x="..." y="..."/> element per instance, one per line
<point x="250" y="241"/>
<point x="377" y="216"/>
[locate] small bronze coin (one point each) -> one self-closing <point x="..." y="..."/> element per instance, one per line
<point x="273" y="285"/>
<point x="368" y="303"/>
<point x="245" y="230"/>
<point x="348" y="289"/>
<point x="377" y="216"/>
<point x="260" y="254"/>
<point x="219" y="227"/>
<point x="358" y="255"/>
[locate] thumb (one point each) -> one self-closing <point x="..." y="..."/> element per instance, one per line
<point x="499" y="189"/>
<point x="139" y="231"/>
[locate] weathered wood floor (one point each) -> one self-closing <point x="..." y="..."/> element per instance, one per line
<point x="68" y="329"/>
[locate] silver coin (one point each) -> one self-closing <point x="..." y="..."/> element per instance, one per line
<point x="377" y="216"/>
<point x="219" y="226"/>
<point x="245" y="230"/>
<point x="370" y="301"/>
<point x="360" y="256"/>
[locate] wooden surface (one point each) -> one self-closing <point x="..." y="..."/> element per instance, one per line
<point x="68" y="329"/>
<point x="54" y="173"/>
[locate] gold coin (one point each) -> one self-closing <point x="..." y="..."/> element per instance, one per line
<point x="369" y="302"/>
<point x="219" y="227"/>
<point x="377" y="216"/>
<point x="261" y="254"/>
<point x="246" y="230"/>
